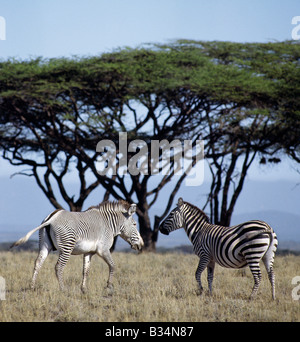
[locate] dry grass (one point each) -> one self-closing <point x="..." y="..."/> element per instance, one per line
<point x="148" y="287"/>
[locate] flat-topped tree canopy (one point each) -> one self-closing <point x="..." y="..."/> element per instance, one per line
<point x="242" y="99"/>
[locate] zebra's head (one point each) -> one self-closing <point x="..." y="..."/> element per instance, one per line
<point x="174" y="220"/>
<point x="129" y="230"/>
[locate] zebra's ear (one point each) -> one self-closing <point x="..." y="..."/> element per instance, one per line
<point x="132" y="209"/>
<point x="180" y="202"/>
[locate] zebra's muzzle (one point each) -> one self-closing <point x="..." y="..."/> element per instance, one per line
<point x="136" y="247"/>
<point x="163" y="231"/>
<point x="139" y="245"/>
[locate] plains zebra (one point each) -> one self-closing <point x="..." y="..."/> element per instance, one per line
<point x="232" y="247"/>
<point x="89" y="232"/>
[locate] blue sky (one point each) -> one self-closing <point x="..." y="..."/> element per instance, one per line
<point x="56" y="28"/>
<point x="52" y="28"/>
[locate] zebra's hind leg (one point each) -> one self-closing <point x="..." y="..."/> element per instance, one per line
<point x="271" y="276"/>
<point x="86" y="269"/>
<point x="45" y="246"/>
<point x="63" y="258"/>
<point x="43" y="253"/>
<point x="269" y="267"/>
<point x="255" y="269"/>
<point x="268" y="260"/>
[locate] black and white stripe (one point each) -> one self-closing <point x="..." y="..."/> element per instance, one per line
<point x="232" y="247"/>
<point x="89" y="232"/>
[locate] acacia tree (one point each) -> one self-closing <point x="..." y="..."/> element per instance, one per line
<point x="36" y="130"/>
<point x="54" y="113"/>
<point x="231" y="154"/>
<point x="52" y="124"/>
<point x="258" y="116"/>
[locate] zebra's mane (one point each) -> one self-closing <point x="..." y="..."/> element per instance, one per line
<point x="197" y="210"/>
<point x="119" y="205"/>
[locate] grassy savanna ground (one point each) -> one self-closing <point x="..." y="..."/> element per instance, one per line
<point x="147" y="287"/>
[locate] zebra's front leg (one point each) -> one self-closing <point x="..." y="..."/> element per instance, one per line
<point x="86" y="268"/>
<point x="201" y="267"/>
<point x="111" y="265"/>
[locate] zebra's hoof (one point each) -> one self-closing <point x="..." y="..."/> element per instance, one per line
<point x="199" y="291"/>
<point x="109" y="289"/>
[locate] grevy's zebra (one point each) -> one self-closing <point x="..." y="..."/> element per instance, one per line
<point x="233" y="247"/>
<point x="88" y="233"/>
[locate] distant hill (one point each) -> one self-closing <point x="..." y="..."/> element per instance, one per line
<point x="286" y="226"/>
<point x="31" y="245"/>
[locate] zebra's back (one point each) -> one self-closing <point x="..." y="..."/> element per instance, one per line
<point x="231" y="246"/>
<point x="80" y="231"/>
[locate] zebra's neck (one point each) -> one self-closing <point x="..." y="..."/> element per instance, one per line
<point x="195" y="220"/>
<point x="113" y="220"/>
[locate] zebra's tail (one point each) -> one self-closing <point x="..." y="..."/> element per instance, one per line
<point x="27" y="236"/>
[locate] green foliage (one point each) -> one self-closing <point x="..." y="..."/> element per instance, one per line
<point x="247" y="74"/>
<point x="240" y="98"/>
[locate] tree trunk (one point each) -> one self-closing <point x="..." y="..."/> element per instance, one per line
<point x="147" y="233"/>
